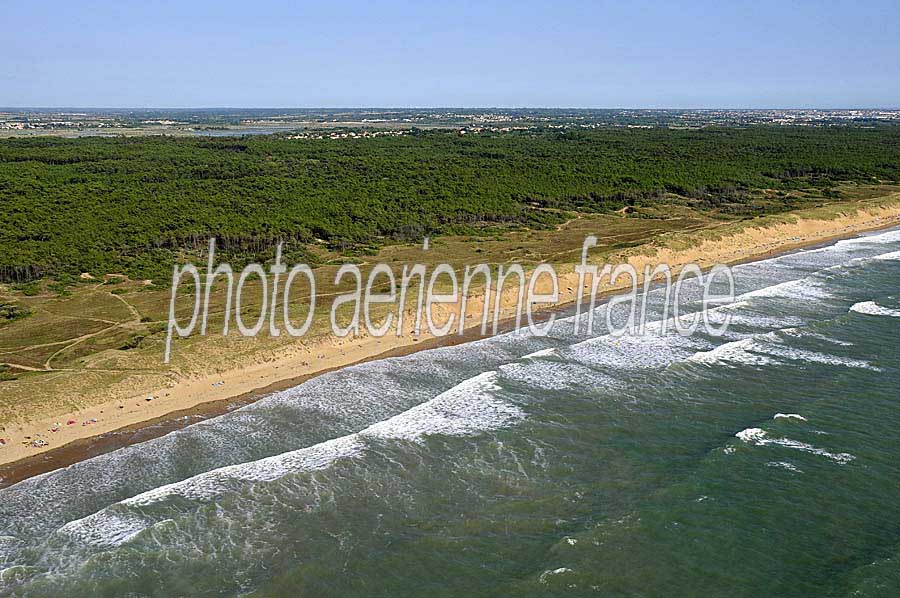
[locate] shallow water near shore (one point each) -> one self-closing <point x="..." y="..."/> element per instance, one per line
<point x="762" y="462"/>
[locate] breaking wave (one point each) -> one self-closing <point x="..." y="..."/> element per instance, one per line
<point x="468" y="408"/>
<point x="759" y="437"/>
<point x="873" y="309"/>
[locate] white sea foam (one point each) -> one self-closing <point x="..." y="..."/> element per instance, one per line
<point x="541" y="353"/>
<point x="766" y="349"/>
<point x="465" y="409"/>
<point x="889" y="256"/>
<point x="799" y="332"/>
<point x="841" y="458"/>
<point x="738" y="314"/>
<point x="790" y="353"/>
<point x="105" y="528"/>
<point x="715" y="316"/>
<point x="789" y="416"/>
<point x="759" y="437"/>
<point x="740" y="352"/>
<point x="784" y="465"/>
<point x="891" y="236"/>
<point x="550" y="572"/>
<point x="751" y="434"/>
<point x="660" y="344"/>
<point x="632" y="352"/>
<point x="758" y="321"/>
<point x="656" y="348"/>
<point x="803" y="288"/>
<point x="555" y="375"/>
<point x="873" y="309"/>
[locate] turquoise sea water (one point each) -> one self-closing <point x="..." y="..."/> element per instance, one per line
<point x="762" y="463"/>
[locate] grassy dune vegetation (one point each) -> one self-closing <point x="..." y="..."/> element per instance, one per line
<point x="124" y="210"/>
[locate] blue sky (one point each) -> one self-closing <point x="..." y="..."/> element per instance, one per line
<point x="276" y="53"/>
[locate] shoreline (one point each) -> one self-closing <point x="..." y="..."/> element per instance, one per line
<point x="210" y="400"/>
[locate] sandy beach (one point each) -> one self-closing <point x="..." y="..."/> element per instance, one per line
<point x="73" y="436"/>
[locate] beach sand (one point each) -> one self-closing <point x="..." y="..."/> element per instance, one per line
<point x="106" y="426"/>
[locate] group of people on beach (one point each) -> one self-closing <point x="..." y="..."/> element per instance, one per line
<point x="38" y="441"/>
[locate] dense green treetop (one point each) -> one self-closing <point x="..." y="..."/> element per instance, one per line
<point x="135" y="205"/>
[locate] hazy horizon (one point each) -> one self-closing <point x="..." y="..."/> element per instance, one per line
<point x="449" y="107"/>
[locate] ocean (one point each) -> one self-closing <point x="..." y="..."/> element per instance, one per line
<point x="765" y="462"/>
